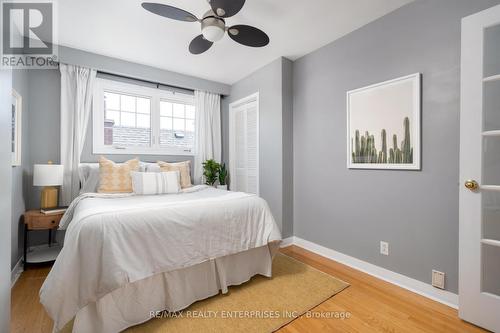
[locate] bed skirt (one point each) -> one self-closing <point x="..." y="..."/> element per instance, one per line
<point x="137" y="302"/>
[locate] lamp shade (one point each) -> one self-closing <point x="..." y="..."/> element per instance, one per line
<point x="48" y="174"/>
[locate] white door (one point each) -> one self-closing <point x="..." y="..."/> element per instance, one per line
<point x="479" y="247"/>
<point x="244" y="144"/>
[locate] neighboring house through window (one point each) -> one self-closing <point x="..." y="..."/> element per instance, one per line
<point x="132" y="119"/>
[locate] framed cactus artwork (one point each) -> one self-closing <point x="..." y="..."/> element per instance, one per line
<point x="383" y="125"/>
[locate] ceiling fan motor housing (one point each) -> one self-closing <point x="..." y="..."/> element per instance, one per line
<point x="212" y="27"/>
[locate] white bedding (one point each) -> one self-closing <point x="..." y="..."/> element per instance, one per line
<point x="172" y="291"/>
<point x="112" y="241"/>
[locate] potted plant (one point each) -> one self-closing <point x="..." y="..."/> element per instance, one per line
<point x="222" y="177"/>
<point x="210" y="171"/>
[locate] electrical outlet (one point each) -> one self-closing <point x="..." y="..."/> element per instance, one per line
<point x="438" y="279"/>
<point x="384" y="248"/>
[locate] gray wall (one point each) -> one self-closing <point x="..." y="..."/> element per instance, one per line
<point x="40" y="90"/>
<point x="274" y="98"/>
<point x="20" y="180"/>
<point x="44" y="124"/>
<point x="351" y="211"/>
<point x="5" y="195"/>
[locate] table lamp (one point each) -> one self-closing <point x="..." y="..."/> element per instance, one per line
<point x="49" y="176"/>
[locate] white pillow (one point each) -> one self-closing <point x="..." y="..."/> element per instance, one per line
<point x="152" y="167"/>
<point x="145" y="183"/>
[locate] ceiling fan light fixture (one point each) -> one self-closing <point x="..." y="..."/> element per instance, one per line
<point x="213" y="29"/>
<point x="212" y="33"/>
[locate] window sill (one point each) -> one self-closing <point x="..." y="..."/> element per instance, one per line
<point x="141" y="151"/>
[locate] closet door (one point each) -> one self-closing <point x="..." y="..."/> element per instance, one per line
<point x="244" y="145"/>
<point x="479" y="245"/>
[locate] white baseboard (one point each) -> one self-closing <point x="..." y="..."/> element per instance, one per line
<point x="287" y="241"/>
<point x="18" y="268"/>
<point x="16" y="272"/>
<point x="446" y="297"/>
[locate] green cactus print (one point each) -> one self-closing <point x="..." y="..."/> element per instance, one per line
<point x="364" y="151"/>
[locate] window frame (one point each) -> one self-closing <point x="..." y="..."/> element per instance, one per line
<point x="155" y="95"/>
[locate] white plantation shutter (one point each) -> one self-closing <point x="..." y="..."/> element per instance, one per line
<point x="240" y="183"/>
<point x="244" y="147"/>
<point x="252" y="148"/>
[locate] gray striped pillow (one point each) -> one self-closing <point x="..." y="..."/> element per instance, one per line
<point x="146" y="183"/>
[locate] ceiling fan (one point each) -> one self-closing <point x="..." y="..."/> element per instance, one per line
<point x="213" y="25"/>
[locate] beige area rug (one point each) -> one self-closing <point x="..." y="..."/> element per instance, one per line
<point x="260" y="305"/>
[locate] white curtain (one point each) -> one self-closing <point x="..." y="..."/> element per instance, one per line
<point x="77" y="86"/>
<point x="208" y="131"/>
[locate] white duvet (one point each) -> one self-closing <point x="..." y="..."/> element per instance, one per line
<point x="115" y="240"/>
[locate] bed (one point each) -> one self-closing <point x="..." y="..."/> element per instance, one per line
<point x="127" y="256"/>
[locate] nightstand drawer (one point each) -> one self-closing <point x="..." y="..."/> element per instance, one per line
<point x="43" y="222"/>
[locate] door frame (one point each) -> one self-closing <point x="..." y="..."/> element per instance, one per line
<point x="248" y="99"/>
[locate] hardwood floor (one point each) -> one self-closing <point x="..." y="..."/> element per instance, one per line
<point x="27" y="314"/>
<point x="374" y="305"/>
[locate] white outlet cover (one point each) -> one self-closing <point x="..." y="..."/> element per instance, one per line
<point x="384" y="248"/>
<point x="438" y="279"/>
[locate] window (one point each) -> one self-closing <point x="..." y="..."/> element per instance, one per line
<point x="127" y="120"/>
<point x="176" y="124"/>
<point x="131" y="119"/>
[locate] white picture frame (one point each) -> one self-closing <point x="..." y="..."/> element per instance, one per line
<point x="381" y="111"/>
<point x="17" y="121"/>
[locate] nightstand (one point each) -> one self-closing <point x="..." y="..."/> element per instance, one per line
<point x="35" y="220"/>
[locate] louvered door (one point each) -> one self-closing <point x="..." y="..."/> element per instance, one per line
<point x="244" y="145"/>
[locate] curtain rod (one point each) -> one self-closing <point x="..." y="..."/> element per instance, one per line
<point x="157" y="84"/>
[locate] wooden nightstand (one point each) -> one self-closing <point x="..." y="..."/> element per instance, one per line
<point x="35" y="220"/>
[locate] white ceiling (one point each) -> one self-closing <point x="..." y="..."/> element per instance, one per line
<point x="124" y="30"/>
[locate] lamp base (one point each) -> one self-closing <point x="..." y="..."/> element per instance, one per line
<point x="48" y="197"/>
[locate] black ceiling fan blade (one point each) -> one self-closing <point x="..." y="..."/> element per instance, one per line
<point x="248" y="35"/>
<point x="169" y="12"/>
<point x="226" y="8"/>
<point x="199" y="45"/>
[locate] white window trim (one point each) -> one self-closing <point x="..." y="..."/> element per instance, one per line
<point x="156" y="95"/>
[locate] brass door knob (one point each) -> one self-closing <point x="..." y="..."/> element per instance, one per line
<point x="471" y="184"/>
